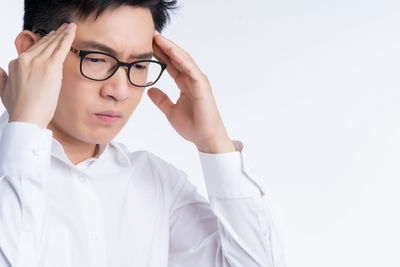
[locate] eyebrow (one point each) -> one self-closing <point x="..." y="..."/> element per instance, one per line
<point x="107" y="49"/>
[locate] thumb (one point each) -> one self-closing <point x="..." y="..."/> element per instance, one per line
<point x="3" y="80"/>
<point x="161" y="100"/>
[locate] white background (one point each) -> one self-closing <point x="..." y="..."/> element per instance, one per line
<point x="312" y="90"/>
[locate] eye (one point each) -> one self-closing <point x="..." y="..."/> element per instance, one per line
<point x="94" y="60"/>
<point x="140" y="67"/>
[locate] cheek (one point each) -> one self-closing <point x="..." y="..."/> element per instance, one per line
<point x="71" y="68"/>
<point x="71" y="80"/>
<point x="75" y="90"/>
<point x="135" y="98"/>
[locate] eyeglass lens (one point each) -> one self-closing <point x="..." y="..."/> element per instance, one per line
<point x="100" y="67"/>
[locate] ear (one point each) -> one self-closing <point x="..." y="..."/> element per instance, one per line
<point x="25" y="40"/>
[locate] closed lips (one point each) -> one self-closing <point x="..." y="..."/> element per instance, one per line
<point x="110" y="113"/>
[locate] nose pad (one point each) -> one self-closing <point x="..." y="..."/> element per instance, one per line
<point x="125" y="71"/>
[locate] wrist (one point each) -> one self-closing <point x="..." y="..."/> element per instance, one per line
<point x="41" y="125"/>
<point x="217" y="146"/>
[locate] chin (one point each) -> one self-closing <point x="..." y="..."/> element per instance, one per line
<point x="99" y="139"/>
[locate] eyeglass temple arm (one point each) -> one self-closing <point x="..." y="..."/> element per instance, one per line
<point x="74" y="50"/>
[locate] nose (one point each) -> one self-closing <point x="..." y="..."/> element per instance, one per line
<point x="117" y="87"/>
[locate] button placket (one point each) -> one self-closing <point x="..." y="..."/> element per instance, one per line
<point x="93" y="217"/>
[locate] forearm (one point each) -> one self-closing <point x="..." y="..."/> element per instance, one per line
<point x="24" y="165"/>
<point x="239" y="201"/>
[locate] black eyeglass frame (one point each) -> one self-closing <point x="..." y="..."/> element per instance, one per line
<point x="83" y="53"/>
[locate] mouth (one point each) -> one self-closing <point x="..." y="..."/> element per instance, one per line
<point x="109" y="117"/>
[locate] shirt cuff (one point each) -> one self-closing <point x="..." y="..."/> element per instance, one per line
<point x="25" y="150"/>
<point x="228" y="175"/>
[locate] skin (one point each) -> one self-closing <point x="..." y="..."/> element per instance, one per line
<point x="66" y="101"/>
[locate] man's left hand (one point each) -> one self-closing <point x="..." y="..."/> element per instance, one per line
<point x="195" y="115"/>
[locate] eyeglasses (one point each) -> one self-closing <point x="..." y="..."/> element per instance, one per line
<point x="100" y="66"/>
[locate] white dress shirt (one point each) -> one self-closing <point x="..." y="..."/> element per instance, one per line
<point x="127" y="209"/>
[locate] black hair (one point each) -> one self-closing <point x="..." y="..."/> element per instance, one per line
<point x="50" y="14"/>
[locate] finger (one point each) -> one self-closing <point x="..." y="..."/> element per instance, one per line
<point x="183" y="64"/>
<point x="39" y="43"/>
<point x="173" y="67"/>
<point x="161" y="100"/>
<point x="61" y="52"/>
<point x="179" y="59"/>
<point x="161" y="56"/>
<point x="46" y="40"/>
<point x="167" y="45"/>
<point x="54" y="42"/>
<point x="3" y="80"/>
<point x="172" y="70"/>
<point x="162" y="37"/>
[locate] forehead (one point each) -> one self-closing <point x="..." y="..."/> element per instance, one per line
<point x="126" y="29"/>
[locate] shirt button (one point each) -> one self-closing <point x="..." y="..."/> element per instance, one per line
<point x="82" y="178"/>
<point x="37" y="151"/>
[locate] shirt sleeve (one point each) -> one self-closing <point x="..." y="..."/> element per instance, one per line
<point x="25" y="153"/>
<point x="234" y="228"/>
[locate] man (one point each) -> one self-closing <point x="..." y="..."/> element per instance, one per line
<point x="71" y="196"/>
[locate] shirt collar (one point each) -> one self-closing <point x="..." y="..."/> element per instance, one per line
<point x="122" y="152"/>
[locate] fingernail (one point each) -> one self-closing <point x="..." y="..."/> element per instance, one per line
<point x="72" y="30"/>
<point x="63" y="26"/>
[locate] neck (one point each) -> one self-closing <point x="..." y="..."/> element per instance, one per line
<point x="76" y="150"/>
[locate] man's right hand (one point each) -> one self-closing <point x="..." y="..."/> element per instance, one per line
<point x="30" y="93"/>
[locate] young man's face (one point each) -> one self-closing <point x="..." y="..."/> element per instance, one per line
<point x="126" y="30"/>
